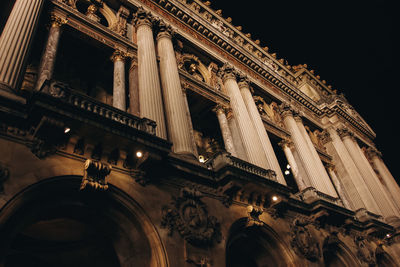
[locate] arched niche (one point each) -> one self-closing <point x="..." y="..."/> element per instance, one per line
<point x="337" y="254"/>
<point x="53" y="223"/>
<point x="256" y="246"/>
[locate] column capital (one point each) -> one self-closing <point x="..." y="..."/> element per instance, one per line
<point x="344" y="132"/>
<point x="372" y="152"/>
<point x="143" y="17"/>
<point x="164" y="30"/>
<point x="227" y="71"/>
<point x="220" y="109"/>
<point x="56" y="20"/>
<point x="118" y="55"/>
<point x="243" y="81"/>
<point x="287" y="110"/>
<point x="286" y="143"/>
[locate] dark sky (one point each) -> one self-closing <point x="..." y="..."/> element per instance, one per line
<point x="350" y="44"/>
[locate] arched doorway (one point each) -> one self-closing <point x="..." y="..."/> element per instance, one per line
<point x="52" y="223"/>
<point x="336" y="253"/>
<point x="255" y="246"/>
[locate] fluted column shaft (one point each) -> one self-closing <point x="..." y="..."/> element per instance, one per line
<point x="375" y="188"/>
<point x="226" y="132"/>
<point x="48" y="60"/>
<point x="303" y="151"/>
<point x="251" y="142"/>
<point x="15" y="40"/>
<point x="387" y="177"/>
<point x="255" y="117"/>
<point x="177" y="121"/>
<point x="339" y="188"/>
<point x="119" y="93"/>
<point x="150" y="96"/>
<point x="133" y="89"/>
<point x="358" y="193"/>
<point x="293" y="164"/>
<point x="317" y="161"/>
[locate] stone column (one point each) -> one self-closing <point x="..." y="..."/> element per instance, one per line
<point x="248" y="134"/>
<point x="303" y="150"/>
<point x="177" y="121"/>
<point x="317" y="160"/>
<point x="354" y="186"/>
<point x="255" y="117"/>
<point x="226" y="132"/>
<point x="391" y="185"/>
<point x="47" y="62"/>
<point x="385" y="206"/>
<point x="150" y="96"/>
<point x="119" y="93"/>
<point x="338" y="186"/>
<point x="239" y="148"/>
<point x="16" y="39"/>
<point x="286" y="147"/>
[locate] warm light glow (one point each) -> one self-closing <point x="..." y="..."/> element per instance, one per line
<point x="288" y="166"/>
<point x="67" y="130"/>
<point x="201" y="159"/>
<point x="274" y="198"/>
<point x="139" y="154"/>
<point x="287" y="172"/>
<point x="387" y="235"/>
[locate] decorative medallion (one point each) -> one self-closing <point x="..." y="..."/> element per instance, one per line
<point x="95" y="173"/>
<point x="303" y="242"/>
<point x="189" y="216"/>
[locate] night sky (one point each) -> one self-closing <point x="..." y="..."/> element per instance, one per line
<point x="350" y="44"/>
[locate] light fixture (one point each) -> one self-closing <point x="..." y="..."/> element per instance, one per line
<point x="139" y="154"/>
<point x="288" y="166"/>
<point x="287" y="172"/>
<point x="274" y="198"/>
<point x="201" y="159"/>
<point x="67" y="130"/>
<point x="387" y="235"/>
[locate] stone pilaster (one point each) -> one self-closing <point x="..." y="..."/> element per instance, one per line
<point x="302" y="149"/>
<point x="391" y="185"/>
<point x="15" y="40"/>
<point x="133" y="89"/>
<point x="47" y="62"/>
<point x="324" y="178"/>
<point x="150" y="96"/>
<point x="286" y="147"/>
<point x="251" y="142"/>
<point x="177" y="121"/>
<point x="255" y="117"/>
<point x="119" y="93"/>
<point x="384" y="206"/>
<point x="226" y="132"/>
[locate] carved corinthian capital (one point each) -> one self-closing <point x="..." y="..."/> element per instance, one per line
<point x="164" y="30"/>
<point x="243" y="81"/>
<point x="143" y="17"/>
<point x="286" y="110"/>
<point x="344" y="132"/>
<point x="227" y="71"/>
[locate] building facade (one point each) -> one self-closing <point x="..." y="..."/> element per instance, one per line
<point x="156" y="133"/>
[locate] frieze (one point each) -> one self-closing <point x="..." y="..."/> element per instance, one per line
<point x="188" y="215"/>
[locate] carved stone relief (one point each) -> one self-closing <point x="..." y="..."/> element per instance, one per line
<point x="364" y="251"/>
<point x="304" y="243"/>
<point x="95" y="173"/>
<point x="188" y="215"/>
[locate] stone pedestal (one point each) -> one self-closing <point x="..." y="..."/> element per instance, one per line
<point x="16" y="39"/>
<point x="47" y="62"/>
<point x="150" y="97"/>
<point x="175" y="111"/>
<point x="119" y="93"/>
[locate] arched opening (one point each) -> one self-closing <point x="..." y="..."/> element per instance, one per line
<point x="52" y="223"/>
<point x="336" y="254"/>
<point x="255" y="246"/>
